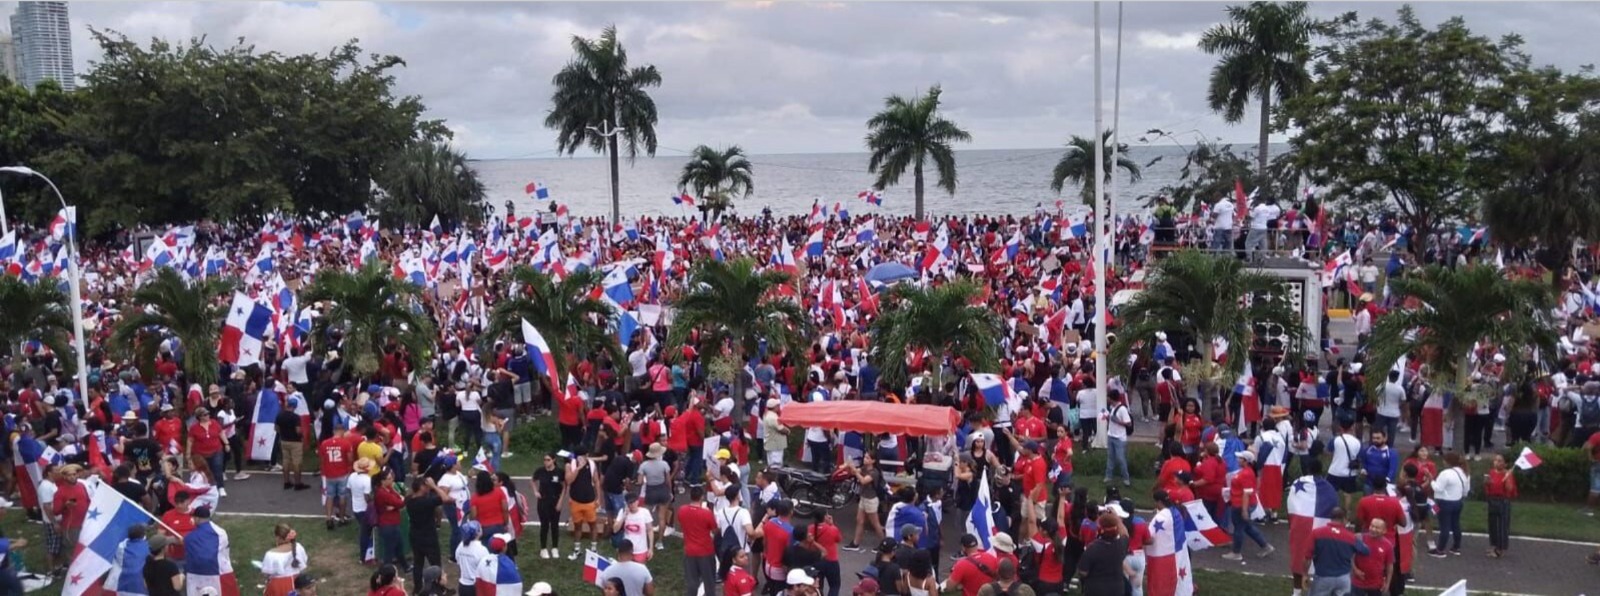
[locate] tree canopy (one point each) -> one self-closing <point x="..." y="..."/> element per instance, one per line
<point x="170" y="132"/>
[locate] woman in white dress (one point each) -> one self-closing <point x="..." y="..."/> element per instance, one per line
<point x="284" y="562"/>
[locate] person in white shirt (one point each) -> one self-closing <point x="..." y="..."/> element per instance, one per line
<point x="295" y="367"/>
<point x="1118" y="421"/>
<point x="52" y="526"/>
<point x="1222" y="224"/>
<point x="1450" y="490"/>
<point x="469" y="554"/>
<point x="1260" y="216"/>
<point x="454" y="484"/>
<point x="1345" y="450"/>
<point x="362" y="508"/>
<point x="820" y="449"/>
<point x="637" y="526"/>
<point x="733" y="515"/>
<point x="1389" y="403"/>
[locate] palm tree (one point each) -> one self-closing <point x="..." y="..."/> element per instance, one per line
<point x="598" y="98"/>
<point x="1200" y="296"/>
<point x="191" y="312"/>
<point x="372" y="308"/>
<point x="732" y="303"/>
<point x="1077" y="165"/>
<point x="946" y="319"/>
<point x="425" y="180"/>
<point x="715" y="176"/>
<point x="564" y="311"/>
<point x="35" y="311"/>
<point x="1457" y="309"/>
<point x="1264" y="49"/>
<point x="907" y="133"/>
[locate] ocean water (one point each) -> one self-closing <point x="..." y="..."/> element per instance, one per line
<point x="1009" y="181"/>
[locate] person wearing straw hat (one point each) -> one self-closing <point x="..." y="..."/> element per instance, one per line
<point x="362" y="507"/>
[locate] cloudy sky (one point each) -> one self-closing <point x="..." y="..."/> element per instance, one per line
<point x="784" y="77"/>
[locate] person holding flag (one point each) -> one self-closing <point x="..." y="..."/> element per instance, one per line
<point x="1242" y="498"/>
<point x="1499" y="489"/>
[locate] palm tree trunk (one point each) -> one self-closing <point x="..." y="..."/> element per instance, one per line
<point x="1266" y="126"/>
<point x="616" y="189"/>
<point x="916" y="173"/>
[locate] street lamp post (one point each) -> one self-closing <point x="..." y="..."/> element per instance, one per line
<point x="608" y="132"/>
<point x="74" y="281"/>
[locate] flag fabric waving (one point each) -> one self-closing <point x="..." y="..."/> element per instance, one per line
<point x="994" y="389"/>
<point x="1201" y="529"/>
<point x="1166" y="556"/>
<point x="105" y="529"/>
<point x="593" y="566"/>
<point x="498" y="576"/>
<point x="1528" y="460"/>
<point x="544" y="360"/>
<point x="244" y="332"/>
<point x="980" y="522"/>
<point x="1311" y="503"/>
<point x="209" y="563"/>
<point x="29" y="456"/>
<point x="537" y="191"/>
<point x="264" y="426"/>
<point x="871" y="196"/>
<point x="683" y="199"/>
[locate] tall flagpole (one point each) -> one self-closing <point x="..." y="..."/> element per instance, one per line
<point x="1100" y="246"/>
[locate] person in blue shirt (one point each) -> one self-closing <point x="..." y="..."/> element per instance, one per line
<point x="1378" y="460"/>
<point x="1333" y="554"/>
<point x="867" y="380"/>
<point x="522" y="390"/>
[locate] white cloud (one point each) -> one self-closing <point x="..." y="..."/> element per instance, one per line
<point x="1157" y="40"/>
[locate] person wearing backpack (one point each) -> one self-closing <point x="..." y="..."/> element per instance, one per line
<point x="1006" y="583"/>
<point x="699" y="528"/>
<point x="1587" y="421"/>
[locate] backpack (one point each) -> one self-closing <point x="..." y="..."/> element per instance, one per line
<point x="1027" y="563"/>
<point x="1007" y="591"/>
<point x="729" y="540"/>
<point x="1315" y="450"/>
<point x="1129" y="425"/>
<point x="1589" y="413"/>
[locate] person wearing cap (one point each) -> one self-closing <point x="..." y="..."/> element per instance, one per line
<point x="1103" y="569"/>
<point x="291" y="442"/>
<point x="1242" y="498"/>
<point x="775" y="435"/>
<point x="891" y="581"/>
<point x="541" y="589"/>
<point x="800" y="582"/>
<point x="162" y="577"/>
<point x="469" y="554"/>
<point x="637" y="525"/>
<point x="975" y="568"/>
<point x="866" y="587"/>
<point x="71" y="503"/>
<point x="635" y="576"/>
<point x="363" y="508"/>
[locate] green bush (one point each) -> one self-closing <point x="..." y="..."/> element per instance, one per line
<point x="1091" y="463"/>
<point x="1563" y="474"/>
<point x="538" y="437"/>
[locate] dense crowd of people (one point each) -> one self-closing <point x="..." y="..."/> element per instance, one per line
<point x="652" y="447"/>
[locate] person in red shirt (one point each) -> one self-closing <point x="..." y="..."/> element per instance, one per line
<point x="699" y="528"/>
<point x="1371" y="573"/>
<point x="205" y="440"/>
<point x="1379" y="505"/>
<point x="1242" y="497"/>
<point x="71" y="504"/>
<point x="1180" y="491"/>
<point x="1028" y="427"/>
<point x="1168" y="477"/>
<point x="1063" y="453"/>
<point x="1189" y="426"/>
<point x="177" y="519"/>
<point x="1209" y="477"/>
<point x="336" y="456"/>
<point x="390" y="504"/>
<point x="1034" y="471"/>
<point x="777" y="531"/>
<point x="1167" y="393"/>
<point x="976" y="568"/>
<point x="1500" y="489"/>
<point x="1048" y="549"/>
<point x="737" y="581"/>
<point x="694" y="435"/>
<point x="827" y="535"/>
<point x="169" y="430"/>
<point x="569" y="418"/>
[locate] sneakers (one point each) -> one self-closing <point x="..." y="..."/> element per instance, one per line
<point x="302" y="487"/>
<point x="669" y="532"/>
<point x="853" y="547"/>
<point x="330" y="524"/>
<point x="1233" y="557"/>
<point x="1455" y="552"/>
<point x="506" y="455"/>
<point x="1266" y="553"/>
<point x="661" y="545"/>
<point x="276" y="468"/>
<point x="574" y="555"/>
<point x="544" y="553"/>
<point x="241" y="475"/>
<point x="1437" y="554"/>
<point x="222" y="492"/>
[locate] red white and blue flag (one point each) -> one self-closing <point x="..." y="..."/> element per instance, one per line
<point x="871" y="196"/>
<point x="537" y="191"/>
<point x="594" y="565"/>
<point x="105" y="530"/>
<point x="683" y="199"/>
<point x="980" y="522"/>
<point x="544" y="360"/>
<point x="65" y="224"/>
<point x="30" y="456"/>
<point x="244" y="332"/>
<point x="1200" y="529"/>
<point x="209" y="564"/>
<point x="264" y="425"/>
<point x="498" y="576"/>
<point x="1311" y="503"/>
<point x="994" y="388"/>
<point x="1167" y="571"/>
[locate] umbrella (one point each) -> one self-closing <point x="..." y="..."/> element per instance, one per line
<point x="888" y="273"/>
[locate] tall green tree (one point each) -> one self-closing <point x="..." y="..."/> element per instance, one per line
<point x="715" y="176"/>
<point x="1263" y="50"/>
<point x="191" y="312"/>
<point x="906" y="134"/>
<point x="172" y="132"/>
<point x="734" y="304"/>
<point x="35" y="311"/>
<point x="598" y="98"/>
<point x="1540" y="174"/>
<point x="373" y="310"/>
<point x="1457" y="309"/>
<point x="426" y="180"/>
<point x="1200" y="296"/>
<point x="564" y="311"/>
<point x="32" y="124"/>
<point x="949" y="319"/>
<point x="1396" y="112"/>
<point x="1077" y="165"/>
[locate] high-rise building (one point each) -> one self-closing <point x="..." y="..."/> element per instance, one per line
<point x="8" y="58"/>
<point x="42" y="40"/>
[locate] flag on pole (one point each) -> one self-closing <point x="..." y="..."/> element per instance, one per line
<point x="871" y="196"/>
<point x="264" y="425"/>
<point x="1528" y="460"/>
<point x="104" y="531"/>
<point x="537" y="191"/>
<point x="244" y="331"/>
<point x="544" y="359"/>
<point x="1202" y="531"/>
<point x="980" y="522"/>
<point x="593" y="566"/>
<point x="994" y="389"/>
<point x="1311" y="504"/>
<point x="683" y="199"/>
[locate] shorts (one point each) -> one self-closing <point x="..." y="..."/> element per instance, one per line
<point x="615" y="502"/>
<point x="53" y="544"/>
<point x="1420" y="513"/>
<point x="1594" y="478"/>
<point x="870" y="505"/>
<point x="657" y="494"/>
<point x="293" y="455"/>
<point x="1345" y="484"/>
<point x="523" y="393"/>
<point x="583" y="513"/>
<point x="336" y="488"/>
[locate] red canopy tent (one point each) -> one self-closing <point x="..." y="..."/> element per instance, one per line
<point x="873" y="417"/>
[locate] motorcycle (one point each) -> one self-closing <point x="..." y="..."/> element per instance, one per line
<point x="811" y="490"/>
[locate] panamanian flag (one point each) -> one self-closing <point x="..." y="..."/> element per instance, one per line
<point x="498" y="576"/>
<point x="100" y="542"/>
<point x="593" y="566"/>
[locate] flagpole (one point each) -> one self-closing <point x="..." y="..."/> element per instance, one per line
<point x="1100" y="245"/>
